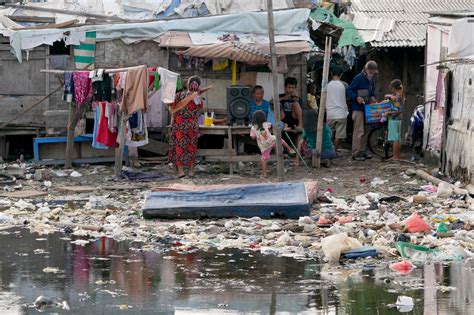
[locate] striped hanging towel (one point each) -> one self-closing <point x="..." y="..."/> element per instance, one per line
<point x="84" y="54"/>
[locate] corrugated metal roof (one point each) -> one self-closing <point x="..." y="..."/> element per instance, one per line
<point x="411" y="18"/>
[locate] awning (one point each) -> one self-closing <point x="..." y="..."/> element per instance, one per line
<point x="182" y="40"/>
<point x="231" y="50"/>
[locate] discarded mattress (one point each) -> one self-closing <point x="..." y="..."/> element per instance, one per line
<point x="282" y="200"/>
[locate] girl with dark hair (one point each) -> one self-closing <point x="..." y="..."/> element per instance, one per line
<point x="265" y="140"/>
<point x="185" y="126"/>
<point x="395" y="117"/>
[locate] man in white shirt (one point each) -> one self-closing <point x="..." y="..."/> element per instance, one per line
<point x="336" y="106"/>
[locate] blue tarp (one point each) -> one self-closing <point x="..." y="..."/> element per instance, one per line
<point x="282" y="200"/>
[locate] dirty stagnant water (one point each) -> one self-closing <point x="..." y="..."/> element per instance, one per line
<point x="109" y="277"/>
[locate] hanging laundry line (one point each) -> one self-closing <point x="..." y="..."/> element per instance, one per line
<point x="119" y="151"/>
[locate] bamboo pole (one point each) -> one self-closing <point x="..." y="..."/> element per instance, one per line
<point x="121" y="148"/>
<point x="276" y="99"/>
<point x="71" y="126"/>
<point x="322" y="103"/>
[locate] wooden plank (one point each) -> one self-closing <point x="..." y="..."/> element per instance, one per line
<point x="24" y="194"/>
<point x="238" y="158"/>
<point x="206" y="131"/>
<point x="31" y="19"/>
<point x="54" y="25"/>
<point x="155" y="146"/>
<point x="215" y="152"/>
<point x="69" y="12"/>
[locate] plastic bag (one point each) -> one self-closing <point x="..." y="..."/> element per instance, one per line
<point x="416" y="224"/>
<point x="334" y="245"/>
<point x="403" y="267"/>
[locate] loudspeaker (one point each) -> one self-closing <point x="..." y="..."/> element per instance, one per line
<point x="238" y="105"/>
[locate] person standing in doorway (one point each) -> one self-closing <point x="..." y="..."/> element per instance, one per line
<point x="362" y="91"/>
<point x="336" y="107"/>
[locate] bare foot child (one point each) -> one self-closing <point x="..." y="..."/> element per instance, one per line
<point x="265" y="140"/>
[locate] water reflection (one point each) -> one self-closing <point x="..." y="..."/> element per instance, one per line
<point x="107" y="277"/>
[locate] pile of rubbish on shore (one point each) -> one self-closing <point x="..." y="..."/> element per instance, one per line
<point x="421" y="222"/>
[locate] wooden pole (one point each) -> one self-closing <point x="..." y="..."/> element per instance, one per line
<point x="120" y="150"/>
<point x="322" y="104"/>
<point x="234" y="72"/>
<point x="69" y="12"/>
<point x="276" y="98"/>
<point x="71" y="126"/>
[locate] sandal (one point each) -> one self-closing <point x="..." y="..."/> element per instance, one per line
<point x="292" y="153"/>
<point x="181" y="176"/>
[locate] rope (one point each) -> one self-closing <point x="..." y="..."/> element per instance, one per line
<point x="297" y="152"/>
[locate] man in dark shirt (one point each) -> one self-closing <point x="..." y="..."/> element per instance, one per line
<point x="361" y="91"/>
<point x="291" y="106"/>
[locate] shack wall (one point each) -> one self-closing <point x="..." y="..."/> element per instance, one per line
<point x="21" y="85"/>
<point x="459" y="144"/>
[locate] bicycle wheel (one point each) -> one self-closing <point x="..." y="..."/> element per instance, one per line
<point x="377" y="144"/>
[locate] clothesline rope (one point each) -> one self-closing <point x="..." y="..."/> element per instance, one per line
<point x="105" y="70"/>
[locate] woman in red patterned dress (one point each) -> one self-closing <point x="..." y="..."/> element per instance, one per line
<point x="186" y="111"/>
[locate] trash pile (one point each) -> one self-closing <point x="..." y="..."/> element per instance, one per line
<point x="403" y="224"/>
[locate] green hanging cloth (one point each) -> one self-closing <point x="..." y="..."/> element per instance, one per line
<point x="179" y="85"/>
<point x="156" y="83"/>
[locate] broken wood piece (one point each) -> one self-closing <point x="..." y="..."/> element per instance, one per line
<point x="75" y="189"/>
<point x="105" y="212"/>
<point x="436" y="181"/>
<point x="80" y="226"/>
<point x="46" y="26"/>
<point x="24" y="194"/>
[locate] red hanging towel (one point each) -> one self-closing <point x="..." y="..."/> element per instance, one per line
<point x="104" y="135"/>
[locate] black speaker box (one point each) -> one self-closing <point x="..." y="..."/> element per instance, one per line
<point x="238" y="105"/>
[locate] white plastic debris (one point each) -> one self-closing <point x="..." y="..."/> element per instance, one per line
<point x="43" y="210"/>
<point x="59" y="173"/>
<point x="377" y="181"/>
<point x="445" y="190"/>
<point x="405" y="304"/>
<point x="4" y="218"/>
<point x="305" y="220"/>
<point x="334" y="245"/>
<point x="80" y="242"/>
<point x="65" y="306"/>
<point x="362" y="200"/>
<point x="47" y="183"/>
<point x="75" y="174"/>
<point x="21" y="204"/>
<point x="229" y="224"/>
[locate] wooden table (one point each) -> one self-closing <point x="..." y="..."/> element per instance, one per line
<point x="231" y="150"/>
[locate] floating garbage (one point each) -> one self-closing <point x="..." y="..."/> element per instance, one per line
<point x="403" y="267"/>
<point x="404" y="304"/>
<point x="361" y="252"/>
<point x="334" y="245"/>
<point x="414" y="252"/>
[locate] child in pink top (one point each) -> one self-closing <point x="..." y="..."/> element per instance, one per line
<point x="265" y="140"/>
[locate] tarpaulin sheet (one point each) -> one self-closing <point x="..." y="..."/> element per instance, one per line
<point x="286" y="22"/>
<point x="461" y="39"/>
<point x="286" y="200"/>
